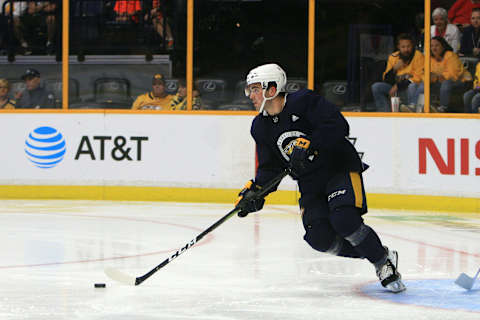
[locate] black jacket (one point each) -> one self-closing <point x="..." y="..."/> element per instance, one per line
<point x="38" y="98"/>
<point x="305" y="114"/>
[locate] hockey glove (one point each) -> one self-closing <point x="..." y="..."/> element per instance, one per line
<point x="298" y="155"/>
<point x="247" y="199"/>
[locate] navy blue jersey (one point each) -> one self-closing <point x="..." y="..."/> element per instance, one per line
<point x="305" y="114"/>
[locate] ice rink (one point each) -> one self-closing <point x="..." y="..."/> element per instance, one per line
<point x="254" y="268"/>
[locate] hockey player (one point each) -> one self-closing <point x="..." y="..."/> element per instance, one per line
<point x="306" y="133"/>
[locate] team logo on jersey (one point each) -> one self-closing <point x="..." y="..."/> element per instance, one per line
<point x="285" y="142"/>
<point x="295" y="118"/>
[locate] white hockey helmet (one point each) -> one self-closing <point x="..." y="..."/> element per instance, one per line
<point x="265" y="74"/>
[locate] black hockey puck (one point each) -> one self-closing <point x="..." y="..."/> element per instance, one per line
<point x="100" y="285"/>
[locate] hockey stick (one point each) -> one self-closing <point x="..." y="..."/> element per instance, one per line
<point x="465" y="281"/>
<point x="129" y="280"/>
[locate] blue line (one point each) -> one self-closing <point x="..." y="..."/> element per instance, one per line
<point x="438" y="293"/>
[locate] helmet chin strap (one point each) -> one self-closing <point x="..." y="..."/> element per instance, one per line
<point x="265" y="99"/>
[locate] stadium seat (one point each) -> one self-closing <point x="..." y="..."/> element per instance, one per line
<point x="212" y="91"/>
<point x="295" y="84"/>
<point x="240" y="100"/>
<point x="113" y="93"/>
<point x="236" y="107"/>
<point x="55" y="86"/>
<point x="335" y="92"/>
<point x="470" y="64"/>
<point x="171" y="86"/>
<point x="94" y="105"/>
<point x="16" y="85"/>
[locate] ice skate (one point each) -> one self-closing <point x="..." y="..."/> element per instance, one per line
<point x="389" y="277"/>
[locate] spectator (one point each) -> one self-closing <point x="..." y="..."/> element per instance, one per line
<point x="470" y="44"/>
<point x="442" y="28"/>
<point x="418" y="31"/>
<point x="160" y="23"/>
<point x="179" y="101"/>
<point x="48" y="9"/>
<point x="34" y="96"/>
<point x="471" y="98"/>
<point x="127" y="10"/>
<point x="157" y="99"/>
<point x="447" y="73"/>
<point x="5" y="101"/>
<point x="442" y="3"/>
<point x="403" y="73"/>
<point x="28" y="13"/>
<point x="19" y="9"/>
<point x="461" y="12"/>
<point x="84" y="19"/>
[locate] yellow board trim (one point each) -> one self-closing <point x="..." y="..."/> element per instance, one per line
<point x="357" y="188"/>
<point x="129" y="193"/>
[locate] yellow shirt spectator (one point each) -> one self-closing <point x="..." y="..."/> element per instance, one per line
<point x="476" y="81"/>
<point x="9" y="104"/>
<point x="179" y="101"/>
<point x="5" y="101"/>
<point x="450" y="67"/>
<point x="414" y="69"/>
<point x="150" y="101"/>
<point x="157" y="99"/>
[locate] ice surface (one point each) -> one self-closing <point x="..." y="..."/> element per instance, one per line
<point x="258" y="267"/>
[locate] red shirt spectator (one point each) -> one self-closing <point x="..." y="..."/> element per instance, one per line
<point x="461" y="11"/>
<point x="127" y="8"/>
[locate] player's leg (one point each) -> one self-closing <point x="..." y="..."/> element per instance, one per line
<point x="347" y="202"/>
<point x="319" y="233"/>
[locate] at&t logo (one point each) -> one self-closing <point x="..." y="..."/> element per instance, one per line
<point x="45" y="147"/>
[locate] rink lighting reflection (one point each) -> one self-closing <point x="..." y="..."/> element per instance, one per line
<point x="433" y="293"/>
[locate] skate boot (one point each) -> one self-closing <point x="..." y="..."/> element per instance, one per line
<point x="389" y="277"/>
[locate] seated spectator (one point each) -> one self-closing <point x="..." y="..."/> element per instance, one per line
<point x="461" y="11"/>
<point x="179" y="101"/>
<point x="471" y="98"/>
<point x="160" y="24"/>
<point x="157" y="99"/>
<point x="127" y="10"/>
<point x="447" y="73"/>
<point x="403" y="73"/>
<point x="442" y="3"/>
<point x="470" y="44"/>
<point x="84" y="20"/>
<point x="28" y="13"/>
<point x="5" y="101"/>
<point x="19" y="9"/>
<point x="34" y="96"/>
<point x="441" y="28"/>
<point x="418" y="31"/>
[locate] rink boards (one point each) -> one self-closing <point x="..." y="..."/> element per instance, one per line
<point x="416" y="163"/>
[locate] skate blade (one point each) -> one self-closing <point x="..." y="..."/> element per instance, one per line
<point x="396" y="286"/>
<point x="464" y="281"/>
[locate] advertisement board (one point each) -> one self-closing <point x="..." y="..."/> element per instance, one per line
<point x="407" y="156"/>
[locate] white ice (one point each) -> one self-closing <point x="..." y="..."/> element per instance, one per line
<point x="259" y="267"/>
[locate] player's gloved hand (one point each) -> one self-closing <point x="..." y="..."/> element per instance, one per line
<point x="247" y="199"/>
<point x="298" y="152"/>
